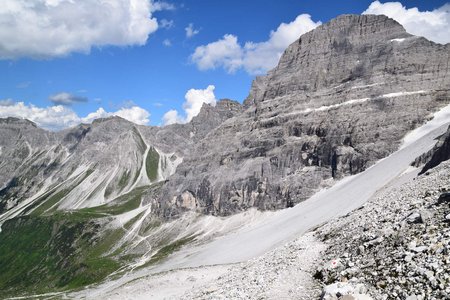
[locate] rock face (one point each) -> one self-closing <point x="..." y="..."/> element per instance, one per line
<point x="90" y="165"/>
<point x="341" y="98"/>
<point x="440" y="153"/>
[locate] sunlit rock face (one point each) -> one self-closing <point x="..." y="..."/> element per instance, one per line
<point x="341" y="98"/>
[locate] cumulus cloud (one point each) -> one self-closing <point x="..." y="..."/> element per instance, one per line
<point x="54" y="117"/>
<point x="167" y="43"/>
<point x="433" y="25"/>
<point x="226" y="53"/>
<point x="255" y="58"/>
<point x="191" y="31"/>
<point x="194" y="102"/>
<point x="52" y="28"/>
<point x="66" y="99"/>
<point x="134" y="114"/>
<point x="172" y="117"/>
<point x="58" y="117"/>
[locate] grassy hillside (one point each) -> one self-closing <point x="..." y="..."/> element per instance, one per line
<point x="152" y="163"/>
<point x="51" y="253"/>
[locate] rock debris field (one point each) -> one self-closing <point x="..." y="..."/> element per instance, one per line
<point x="396" y="246"/>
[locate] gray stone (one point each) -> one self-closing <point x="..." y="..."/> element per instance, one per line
<point x="414" y="218"/>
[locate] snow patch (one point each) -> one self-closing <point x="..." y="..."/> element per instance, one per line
<point x="440" y="118"/>
<point x="349" y="102"/>
<point x="400" y="94"/>
<point x="366" y="86"/>
<point x="409" y="170"/>
<point x="398" y="40"/>
<point x="338" y="86"/>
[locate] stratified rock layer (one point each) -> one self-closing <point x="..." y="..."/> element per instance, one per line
<point x="341" y="98"/>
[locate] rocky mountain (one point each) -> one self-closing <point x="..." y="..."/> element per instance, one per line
<point x="92" y="164"/>
<point x="341" y="98"/>
<point x="112" y="196"/>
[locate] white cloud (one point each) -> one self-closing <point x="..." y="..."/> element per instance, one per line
<point x="196" y="98"/>
<point x="194" y="102"/>
<point x="172" y="117"/>
<point x="191" y="31"/>
<point x="167" y="43"/>
<point x="134" y="114"/>
<point x="433" y="25"/>
<point x="59" y="117"/>
<point x="166" y="24"/>
<point x="52" y="28"/>
<point x="54" y="117"/>
<point x="226" y="53"/>
<point x="66" y="99"/>
<point x="255" y="58"/>
<point x="99" y="113"/>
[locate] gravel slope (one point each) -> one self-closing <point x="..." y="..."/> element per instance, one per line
<point x="398" y="244"/>
<point x="284" y="273"/>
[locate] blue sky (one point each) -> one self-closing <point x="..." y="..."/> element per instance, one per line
<point x="154" y="70"/>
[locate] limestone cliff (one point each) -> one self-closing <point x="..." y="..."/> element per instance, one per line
<point x="342" y="97"/>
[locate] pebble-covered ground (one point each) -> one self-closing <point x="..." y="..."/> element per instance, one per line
<point x="397" y="246"/>
<point x="283" y="273"/>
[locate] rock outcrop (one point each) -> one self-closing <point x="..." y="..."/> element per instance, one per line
<point x="439" y="153"/>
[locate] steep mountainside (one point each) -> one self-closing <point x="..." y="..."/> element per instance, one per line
<point x="90" y="165"/>
<point x="97" y="199"/>
<point x="341" y="98"/>
<point x="75" y="198"/>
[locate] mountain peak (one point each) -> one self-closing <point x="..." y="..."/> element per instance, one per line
<point x="108" y="119"/>
<point x="17" y="121"/>
<point x="347" y="48"/>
